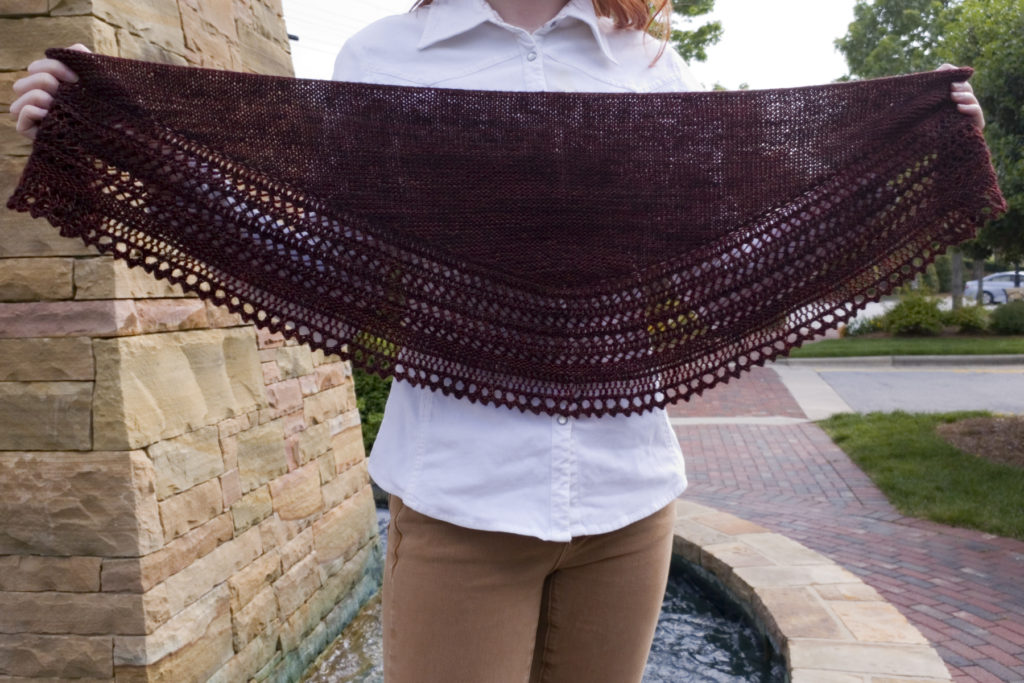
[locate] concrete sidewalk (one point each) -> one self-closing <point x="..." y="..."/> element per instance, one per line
<point x="752" y="450"/>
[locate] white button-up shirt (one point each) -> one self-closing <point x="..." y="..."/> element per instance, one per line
<point x="496" y="468"/>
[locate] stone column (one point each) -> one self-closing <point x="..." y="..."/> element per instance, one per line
<point x="183" y="497"/>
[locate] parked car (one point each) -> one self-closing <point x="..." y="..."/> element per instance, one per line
<point x="993" y="286"/>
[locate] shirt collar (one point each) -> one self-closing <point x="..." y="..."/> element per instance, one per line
<point x="449" y="18"/>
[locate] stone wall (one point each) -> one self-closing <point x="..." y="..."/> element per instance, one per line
<point x="183" y="497"/>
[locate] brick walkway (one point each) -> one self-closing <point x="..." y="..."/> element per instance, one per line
<point x="964" y="590"/>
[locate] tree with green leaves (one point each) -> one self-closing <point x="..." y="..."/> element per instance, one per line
<point x="989" y="35"/>
<point x="890" y="37"/>
<point x="692" y="42"/>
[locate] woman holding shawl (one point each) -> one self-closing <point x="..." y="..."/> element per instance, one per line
<point x="522" y="546"/>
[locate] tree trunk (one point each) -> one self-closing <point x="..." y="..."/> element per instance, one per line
<point x="957" y="277"/>
<point x="979" y="273"/>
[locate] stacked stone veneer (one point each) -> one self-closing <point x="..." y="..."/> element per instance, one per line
<point x="182" y="496"/>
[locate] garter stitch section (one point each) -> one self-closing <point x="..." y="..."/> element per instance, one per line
<point x="561" y="253"/>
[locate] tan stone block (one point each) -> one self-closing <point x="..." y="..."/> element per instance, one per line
<point x="137" y="575"/>
<point x="819" y="676"/>
<point x="293" y="423"/>
<point x="314" y="441"/>
<point x="310" y="614"/>
<point x="28" y="573"/>
<point x="219" y="316"/>
<point x="328" y="467"/>
<point x="189" y="509"/>
<point x="22" y="7"/>
<point x="169" y="315"/>
<point x="261" y="455"/>
<point x="892" y="660"/>
<point x="177" y="633"/>
<point x="253" y="578"/>
<point x="877" y="622"/>
<point x="297" y="585"/>
<point x="340" y="533"/>
<point x="269" y="340"/>
<point x="45" y="415"/>
<point x="296" y="549"/>
<point x="805" y="575"/>
<point x="70" y="7"/>
<point x="95" y="503"/>
<point x="283" y="398"/>
<point x="154" y="387"/>
<point x="294" y="361"/>
<point x="186" y="461"/>
<point x="796" y="613"/>
<point x="7" y="95"/>
<point x="11" y="143"/>
<point x="231" y="486"/>
<point x="105" y="277"/>
<point x="687" y="509"/>
<point x="348" y="447"/>
<point x="847" y="591"/>
<point x="197" y="661"/>
<point x="252" y="508"/>
<point x="254" y="618"/>
<point x="691" y="536"/>
<point x="333" y="375"/>
<point x="135" y="47"/>
<point x="201" y="576"/>
<point x="35" y="279"/>
<point x="207" y="45"/>
<point x="271" y="373"/>
<point x="157" y="22"/>
<point x="80" y="613"/>
<point x="297" y="494"/>
<point x="781" y="550"/>
<point x="233" y="425"/>
<point x="24" y="39"/>
<point x="253" y="658"/>
<point x="730" y="555"/>
<point x="729" y="524"/>
<point x="345" y="485"/>
<point x="68" y="319"/>
<point x="329" y="403"/>
<point x="309" y="385"/>
<point x="27" y="236"/>
<point x="915" y="679"/>
<point x="46" y="360"/>
<point x="35" y="656"/>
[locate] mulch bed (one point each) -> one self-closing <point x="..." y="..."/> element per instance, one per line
<point x="999" y="439"/>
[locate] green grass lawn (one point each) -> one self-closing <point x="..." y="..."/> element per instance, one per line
<point x="923" y="476"/>
<point x="910" y="346"/>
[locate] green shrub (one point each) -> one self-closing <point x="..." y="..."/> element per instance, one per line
<point x="371" y="396"/>
<point x="865" y="326"/>
<point x="967" y="319"/>
<point x="916" y="314"/>
<point x="944" y="272"/>
<point x="1009" y="318"/>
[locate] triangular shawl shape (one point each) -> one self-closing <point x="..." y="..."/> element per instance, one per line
<point x="569" y="253"/>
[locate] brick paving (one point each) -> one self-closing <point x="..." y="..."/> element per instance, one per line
<point x="963" y="589"/>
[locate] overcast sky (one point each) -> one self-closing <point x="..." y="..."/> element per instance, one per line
<point x="767" y="43"/>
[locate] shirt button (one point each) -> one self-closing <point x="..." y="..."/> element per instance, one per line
<point x="562" y="419"/>
<point x="531" y="56"/>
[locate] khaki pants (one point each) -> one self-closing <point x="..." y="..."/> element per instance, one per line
<point x="467" y="606"/>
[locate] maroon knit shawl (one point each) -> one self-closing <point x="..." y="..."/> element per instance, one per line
<point x="570" y="253"/>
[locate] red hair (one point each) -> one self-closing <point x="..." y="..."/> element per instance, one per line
<point x="650" y="16"/>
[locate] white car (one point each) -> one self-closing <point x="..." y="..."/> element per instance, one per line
<point x="993" y="286"/>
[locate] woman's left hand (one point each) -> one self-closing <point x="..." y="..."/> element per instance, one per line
<point x="963" y="94"/>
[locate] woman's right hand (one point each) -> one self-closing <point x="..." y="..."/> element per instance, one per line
<point x="35" y="91"/>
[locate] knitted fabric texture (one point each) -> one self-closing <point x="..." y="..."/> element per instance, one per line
<point x="561" y="253"/>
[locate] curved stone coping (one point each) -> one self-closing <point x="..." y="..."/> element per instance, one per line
<point x="829" y="625"/>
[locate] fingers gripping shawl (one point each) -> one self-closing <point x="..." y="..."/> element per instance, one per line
<point x="571" y="253"/>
